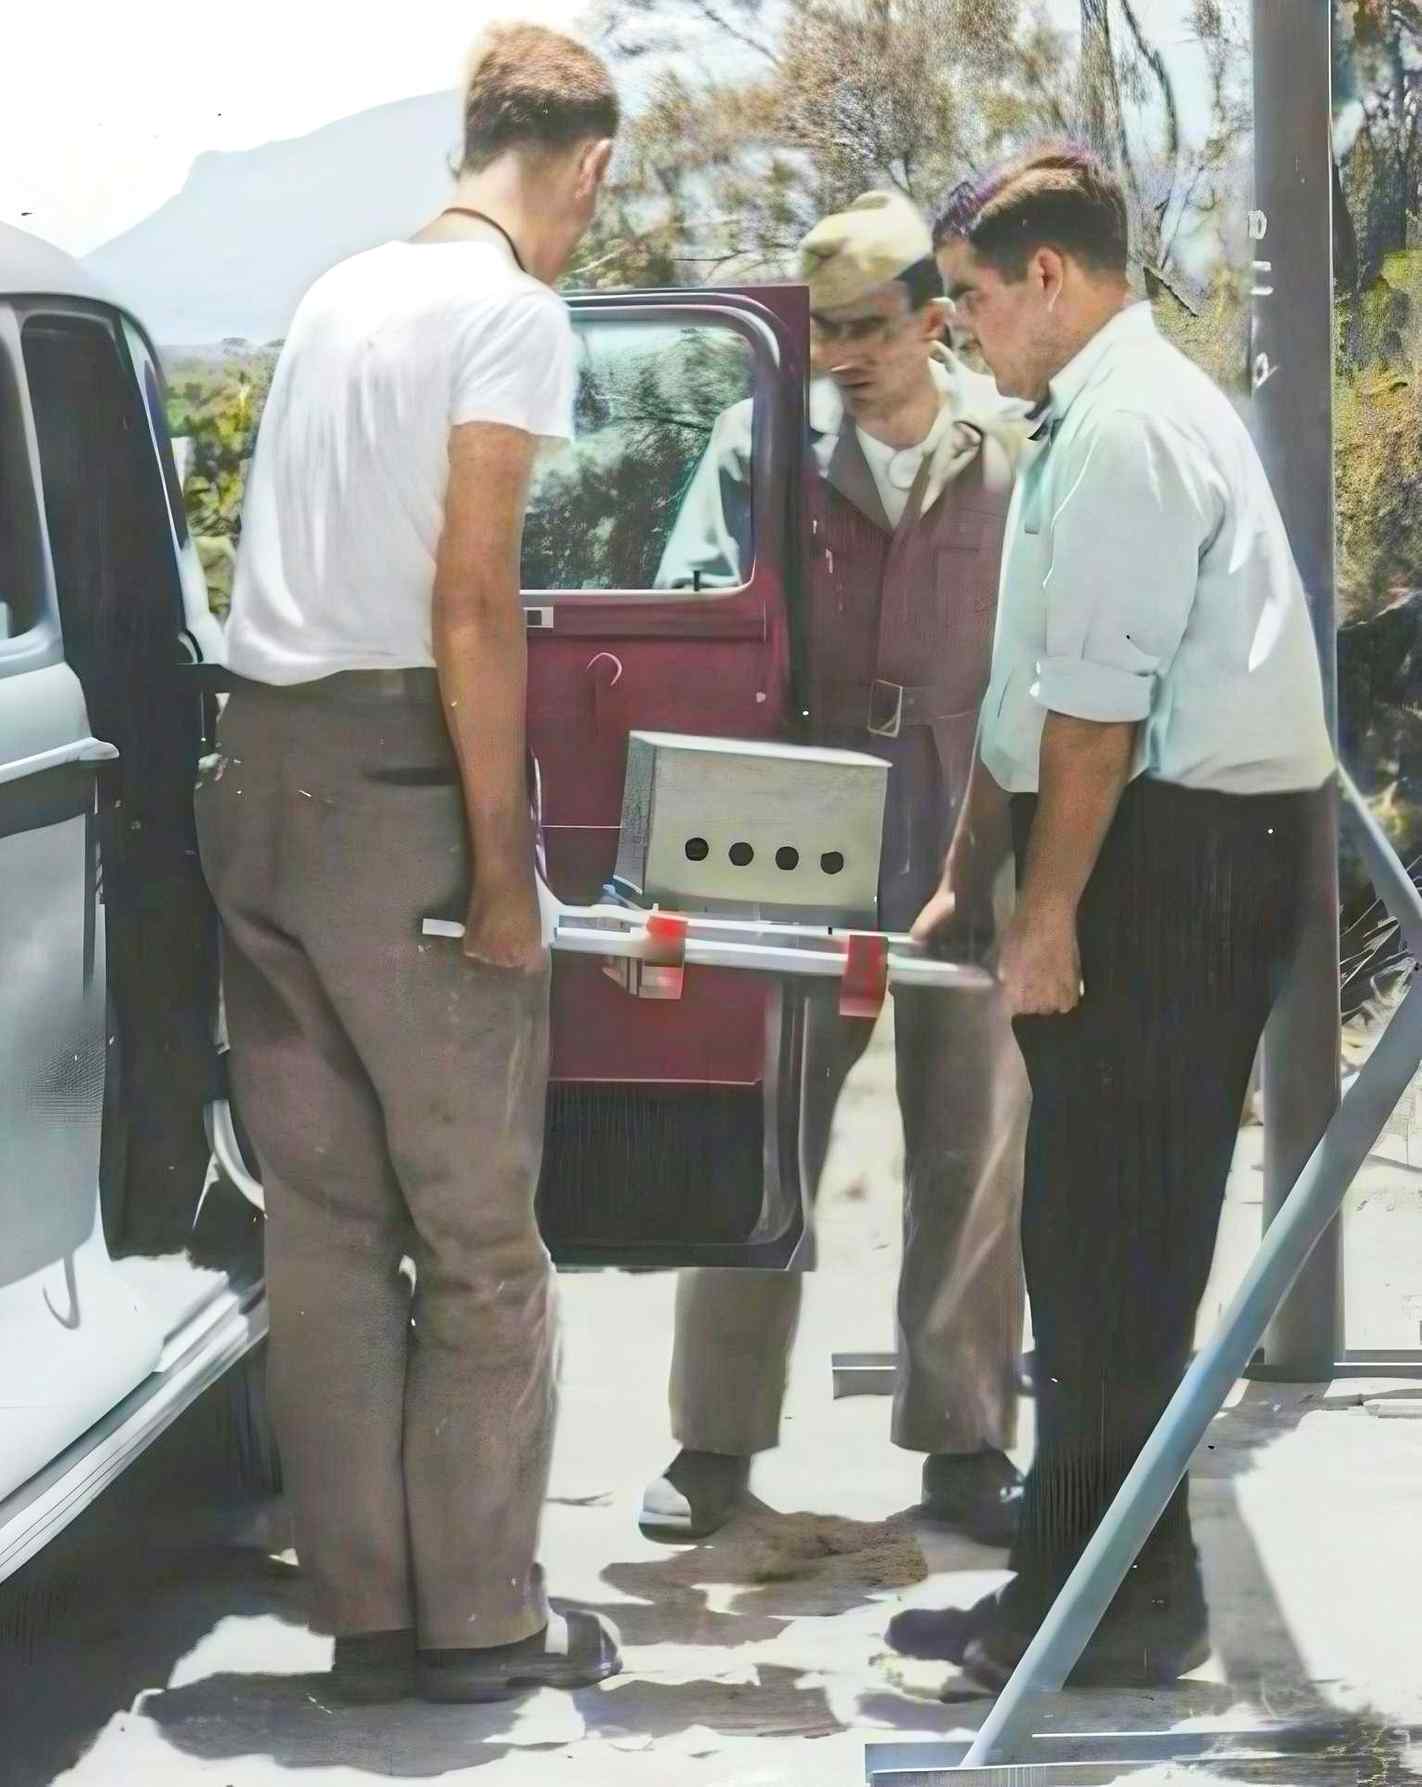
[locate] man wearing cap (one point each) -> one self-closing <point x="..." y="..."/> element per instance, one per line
<point x="905" y="525"/>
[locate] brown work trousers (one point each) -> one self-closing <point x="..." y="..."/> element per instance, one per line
<point x="394" y="1095"/>
<point x="963" y="1097"/>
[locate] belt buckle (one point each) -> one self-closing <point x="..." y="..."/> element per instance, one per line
<point x="886" y="709"/>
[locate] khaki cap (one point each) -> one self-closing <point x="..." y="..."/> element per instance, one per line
<point x="854" y="252"/>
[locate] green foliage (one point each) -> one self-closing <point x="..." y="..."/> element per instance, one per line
<point x="1377" y="434"/>
<point x="1378" y="472"/>
<point x="217" y="407"/>
<point x="1213" y="332"/>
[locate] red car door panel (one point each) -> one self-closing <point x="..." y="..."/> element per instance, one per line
<point x="646" y="1091"/>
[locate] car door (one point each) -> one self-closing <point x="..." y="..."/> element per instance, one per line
<point x="73" y="1338"/>
<point x="120" y="600"/>
<point x="673" y="1123"/>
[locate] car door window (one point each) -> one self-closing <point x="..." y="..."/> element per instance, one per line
<point x="107" y="520"/>
<point x="21" y="576"/>
<point x="654" y="493"/>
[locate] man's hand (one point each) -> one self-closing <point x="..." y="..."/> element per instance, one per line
<point x="503" y="928"/>
<point x="935" y="922"/>
<point x="959" y="917"/>
<point x="1039" y="964"/>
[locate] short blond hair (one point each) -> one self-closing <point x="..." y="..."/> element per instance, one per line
<point x="530" y="88"/>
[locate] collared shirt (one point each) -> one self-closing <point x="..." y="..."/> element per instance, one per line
<point x="1147" y="576"/>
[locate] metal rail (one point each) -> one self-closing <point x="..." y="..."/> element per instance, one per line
<point x="761" y="946"/>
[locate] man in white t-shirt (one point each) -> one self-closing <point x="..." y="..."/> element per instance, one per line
<point x="372" y="770"/>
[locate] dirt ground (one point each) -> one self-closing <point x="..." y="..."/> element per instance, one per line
<point x="152" y="1648"/>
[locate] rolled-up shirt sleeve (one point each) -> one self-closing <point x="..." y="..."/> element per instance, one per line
<point x="1140" y="504"/>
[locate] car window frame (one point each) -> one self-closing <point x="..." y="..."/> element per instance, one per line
<point x="41" y="644"/>
<point x="115" y="323"/>
<point x="744" y="319"/>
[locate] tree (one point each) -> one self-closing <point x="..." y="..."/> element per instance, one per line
<point x="758" y="119"/>
<point x="1132" y="117"/>
<point x="1378" y="102"/>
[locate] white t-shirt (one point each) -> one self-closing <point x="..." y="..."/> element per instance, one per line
<point x="896" y="468"/>
<point x="345" y="497"/>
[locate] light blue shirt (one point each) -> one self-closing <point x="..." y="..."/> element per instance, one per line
<point x="1147" y="576"/>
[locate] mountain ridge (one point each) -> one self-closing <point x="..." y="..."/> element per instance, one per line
<point x="232" y="252"/>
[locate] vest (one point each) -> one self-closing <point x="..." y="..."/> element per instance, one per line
<point x="899" y="627"/>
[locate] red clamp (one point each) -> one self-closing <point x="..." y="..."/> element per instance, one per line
<point x="866" y="975"/>
<point x="661" y="972"/>
<point x="666" y="933"/>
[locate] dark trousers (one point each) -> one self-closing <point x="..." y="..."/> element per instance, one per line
<point x="1187" y="926"/>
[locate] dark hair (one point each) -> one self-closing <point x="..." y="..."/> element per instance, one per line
<point x="922" y="282"/>
<point x="534" y="89"/>
<point x="1059" y="197"/>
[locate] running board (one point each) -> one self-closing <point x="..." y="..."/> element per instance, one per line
<point x="193" y="1359"/>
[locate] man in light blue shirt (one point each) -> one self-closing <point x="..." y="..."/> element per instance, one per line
<point x="1149" y="579"/>
<point x="1155" y="720"/>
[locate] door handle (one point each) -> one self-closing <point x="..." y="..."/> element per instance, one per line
<point x="93" y="751"/>
<point x="609" y="713"/>
<point x="227" y="1150"/>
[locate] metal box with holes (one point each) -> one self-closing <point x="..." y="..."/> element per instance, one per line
<point x="717" y="825"/>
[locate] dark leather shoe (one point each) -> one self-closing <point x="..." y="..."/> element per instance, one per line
<point x="576" y="1649"/>
<point x="695" y="1497"/>
<point x="1133" y="1649"/>
<point x="1151" y="1636"/>
<point x="978" y="1494"/>
<point x="939" y="1634"/>
<point x="373" y="1668"/>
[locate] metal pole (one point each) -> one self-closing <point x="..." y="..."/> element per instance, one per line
<point x="1308" y="1212"/>
<point x="1291" y="363"/>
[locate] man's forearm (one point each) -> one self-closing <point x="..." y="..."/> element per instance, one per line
<point x="1083" y="768"/>
<point x="481" y="652"/>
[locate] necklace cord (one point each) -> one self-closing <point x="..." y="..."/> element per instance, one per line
<point x="481" y="217"/>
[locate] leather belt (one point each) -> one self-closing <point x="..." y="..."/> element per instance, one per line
<point x="416" y="684"/>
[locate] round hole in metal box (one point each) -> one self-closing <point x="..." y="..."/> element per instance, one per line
<point x="832" y="862"/>
<point x="742" y="855"/>
<point x="787" y="857"/>
<point x="697" y="849"/>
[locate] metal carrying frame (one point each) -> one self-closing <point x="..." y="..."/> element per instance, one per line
<point x="867" y="964"/>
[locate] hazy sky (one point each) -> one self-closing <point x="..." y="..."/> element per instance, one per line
<point x="102" y="116"/>
<point x="103" y="108"/>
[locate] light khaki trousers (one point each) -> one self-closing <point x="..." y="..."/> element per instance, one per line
<point x="394" y="1094"/>
<point x="963" y="1097"/>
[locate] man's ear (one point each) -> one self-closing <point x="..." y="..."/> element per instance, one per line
<point x="935" y="319"/>
<point x="597" y="158"/>
<point x="1048" y="273"/>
